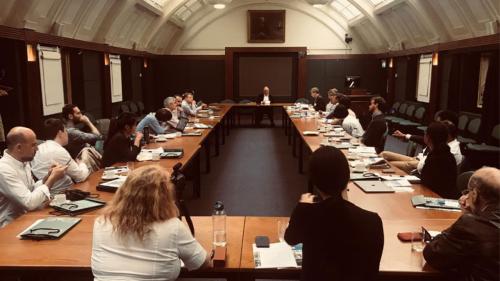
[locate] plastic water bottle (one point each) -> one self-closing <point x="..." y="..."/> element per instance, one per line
<point x="219" y="225"/>
<point x="145" y="133"/>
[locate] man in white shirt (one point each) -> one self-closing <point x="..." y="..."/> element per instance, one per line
<point x="349" y="123"/>
<point x="18" y="191"/>
<point x="189" y="105"/>
<point x="52" y="152"/>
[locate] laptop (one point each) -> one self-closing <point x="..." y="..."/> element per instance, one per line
<point x="373" y="186"/>
<point x="181" y="125"/>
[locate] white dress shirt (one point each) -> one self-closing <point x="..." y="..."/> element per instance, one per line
<point x="51" y="152"/>
<point x="175" y="118"/>
<point x="330" y="107"/>
<point x="352" y="126"/>
<point x="455" y="150"/>
<point x="18" y="191"/>
<point x="158" y="257"/>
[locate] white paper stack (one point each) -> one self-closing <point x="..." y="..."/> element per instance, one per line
<point x="278" y="255"/>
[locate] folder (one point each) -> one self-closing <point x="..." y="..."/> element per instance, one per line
<point x="78" y="207"/>
<point x="50" y="228"/>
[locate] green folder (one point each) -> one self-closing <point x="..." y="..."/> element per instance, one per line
<point x="49" y="228"/>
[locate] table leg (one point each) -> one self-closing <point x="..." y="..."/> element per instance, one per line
<point x="294" y="142"/>
<point x="301" y="156"/>
<point x="217" y="141"/>
<point x="197" y="176"/>
<point x="207" y="154"/>
<point x="223" y="130"/>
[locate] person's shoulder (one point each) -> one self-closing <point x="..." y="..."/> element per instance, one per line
<point x="364" y="215"/>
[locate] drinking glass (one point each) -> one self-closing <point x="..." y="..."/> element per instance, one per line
<point x="282" y="226"/>
<point x="417" y="241"/>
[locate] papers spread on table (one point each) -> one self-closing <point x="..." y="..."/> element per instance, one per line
<point x="420" y="201"/>
<point x="311" y="133"/>
<point x="201" y="126"/>
<point x="49" y="228"/>
<point x="147" y="154"/>
<point x="278" y="255"/>
<point x="166" y="136"/>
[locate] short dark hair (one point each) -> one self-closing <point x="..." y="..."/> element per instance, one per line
<point x="452" y="129"/>
<point x="119" y="123"/>
<point x="447" y="115"/>
<point x="52" y="126"/>
<point x="344" y="100"/>
<point x="329" y="170"/>
<point x="163" y="115"/>
<point x="67" y="110"/>
<point x="340" y="111"/>
<point x="380" y="101"/>
<point x="437" y="133"/>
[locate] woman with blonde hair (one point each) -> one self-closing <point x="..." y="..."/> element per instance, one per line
<point x="139" y="237"/>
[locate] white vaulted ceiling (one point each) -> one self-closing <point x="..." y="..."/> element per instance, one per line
<point x="192" y="26"/>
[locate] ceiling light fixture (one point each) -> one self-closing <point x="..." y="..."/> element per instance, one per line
<point x="318" y="3"/>
<point x="218" y="4"/>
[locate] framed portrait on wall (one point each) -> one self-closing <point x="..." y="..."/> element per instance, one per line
<point x="266" y="26"/>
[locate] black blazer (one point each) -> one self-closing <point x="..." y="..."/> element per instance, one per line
<point x="260" y="98"/>
<point x="375" y="133"/>
<point x="340" y="240"/>
<point x="119" y="149"/>
<point x="320" y="103"/>
<point x="440" y="172"/>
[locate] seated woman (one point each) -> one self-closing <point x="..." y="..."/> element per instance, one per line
<point x="118" y="147"/>
<point x="139" y="236"/>
<point x="340" y="240"/>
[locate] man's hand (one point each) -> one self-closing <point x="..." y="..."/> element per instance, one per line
<point x="464" y="205"/>
<point x="138" y="138"/>
<point x="398" y="134"/>
<point x="85" y="120"/>
<point x="55" y="173"/>
<point x="307" y="198"/>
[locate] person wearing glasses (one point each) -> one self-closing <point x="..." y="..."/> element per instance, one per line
<point x="347" y="247"/>
<point x="139" y="235"/>
<point x="469" y="249"/>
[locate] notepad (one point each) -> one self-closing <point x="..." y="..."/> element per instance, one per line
<point x="79" y="206"/>
<point x="278" y="255"/>
<point x="112" y="186"/>
<point x="49" y="228"/>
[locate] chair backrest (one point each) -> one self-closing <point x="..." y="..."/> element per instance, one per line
<point x="245" y="101"/>
<point x="409" y="110"/>
<point x="103" y="126"/>
<point x="402" y="108"/>
<point x="411" y="147"/>
<point x="462" y="122"/>
<point x="495" y="133"/>
<point x="124" y="107"/>
<point x="419" y="113"/>
<point x="133" y="107"/>
<point x="396" y="105"/>
<point x="230" y="101"/>
<point x="474" y="125"/>
<point x="140" y="105"/>
<point x="463" y="180"/>
<point x="302" y="100"/>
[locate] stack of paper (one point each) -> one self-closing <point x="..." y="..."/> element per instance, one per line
<point x="147" y="154"/>
<point x="278" y="255"/>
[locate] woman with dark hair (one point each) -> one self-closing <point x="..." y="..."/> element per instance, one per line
<point x="118" y="146"/>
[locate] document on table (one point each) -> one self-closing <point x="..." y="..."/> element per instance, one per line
<point x="278" y="255"/>
<point x="147" y="154"/>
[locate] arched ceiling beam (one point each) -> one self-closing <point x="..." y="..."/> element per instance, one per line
<point x="367" y="10"/>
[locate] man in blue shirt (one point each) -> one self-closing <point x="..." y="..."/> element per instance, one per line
<point x="154" y="120"/>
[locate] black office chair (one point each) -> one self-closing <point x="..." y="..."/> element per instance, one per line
<point x="463" y="180"/>
<point x="140" y="105"/>
<point x="246" y="112"/>
<point x="302" y="101"/>
<point x="133" y="107"/>
<point x="484" y="154"/>
<point x="124" y="107"/>
<point x="103" y="126"/>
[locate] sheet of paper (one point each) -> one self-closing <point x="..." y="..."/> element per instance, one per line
<point x="115" y="183"/>
<point x="152" y="150"/>
<point x="398" y="183"/>
<point x="278" y="255"/>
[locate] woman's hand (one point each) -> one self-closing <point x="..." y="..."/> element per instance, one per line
<point x="307" y="198"/>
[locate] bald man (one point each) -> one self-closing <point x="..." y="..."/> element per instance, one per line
<point x="264" y="99"/>
<point x="18" y="191"/>
<point x="470" y="247"/>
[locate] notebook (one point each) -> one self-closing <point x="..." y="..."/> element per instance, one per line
<point x="49" y="228"/>
<point x="172" y="153"/>
<point x="435" y="203"/>
<point x="80" y="206"/>
<point x="373" y="186"/>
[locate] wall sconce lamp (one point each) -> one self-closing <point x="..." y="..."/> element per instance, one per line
<point x="31" y="52"/>
<point x="435" y="58"/>
<point x="106" y="59"/>
<point x="391" y="63"/>
<point x="145" y="63"/>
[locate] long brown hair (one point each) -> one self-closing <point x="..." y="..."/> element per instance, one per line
<point x="146" y="197"/>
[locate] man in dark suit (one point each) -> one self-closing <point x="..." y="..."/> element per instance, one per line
<point x="340" y="240"/>
<point x="319" y="102"/>
<point x="377" y="129"/>
<point x="264" y="100"/>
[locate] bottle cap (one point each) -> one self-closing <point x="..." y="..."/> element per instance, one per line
<point x="219" y="206"/>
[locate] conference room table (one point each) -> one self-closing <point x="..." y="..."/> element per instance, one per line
<point x="70" y="257"/>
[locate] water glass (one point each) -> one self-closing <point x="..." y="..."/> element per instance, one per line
<point x="417" y="241"/>
<point x="282" y="226"/>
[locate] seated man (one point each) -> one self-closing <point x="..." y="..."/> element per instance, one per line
<point x="319" y="102"/>
<point x="189" y="105"/>
<point x="377" y="129"/>
<point x="349" y="123"/>
<point x="18" y="191"/>
<point x="439" y="171"/>
<point x="264" y="98"/>
<point x="154" y="120"/>
<point x="170" y="103"/>
<point x="468" y="250"/>
<point x="77" y="139"/>
<point x="340" y="240"/>
<point x="52" y="152"/>
<point x="408" y="164"/>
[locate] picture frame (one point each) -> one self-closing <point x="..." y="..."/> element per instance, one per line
<point x="266" y="26"/>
